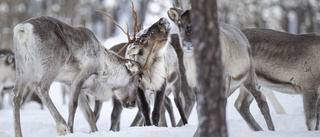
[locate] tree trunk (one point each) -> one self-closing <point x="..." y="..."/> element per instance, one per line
<point x="211" y="96"/>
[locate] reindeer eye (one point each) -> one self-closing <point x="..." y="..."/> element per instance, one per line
<point x="179" y="24"/>
<point x="139" y="80"/>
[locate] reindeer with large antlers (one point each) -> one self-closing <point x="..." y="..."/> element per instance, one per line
<point x="167" y="101"/>
<point x="48" y="50"/>
<point x="152" y="48"/>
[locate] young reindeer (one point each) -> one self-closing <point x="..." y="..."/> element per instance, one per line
<point x="8" y="78"/>
<point x="48" y="50"/>
<point x="117" y="108"/>
<point x="237" y="61"/>
<point x="152" y="48"/>
<point x="7" y="68"/>
<point x="289" y="63"/>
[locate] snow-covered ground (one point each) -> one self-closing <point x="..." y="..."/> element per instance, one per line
<point x="39" y="123"/>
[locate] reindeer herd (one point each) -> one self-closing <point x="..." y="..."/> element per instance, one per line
<point x="155" y="62"/>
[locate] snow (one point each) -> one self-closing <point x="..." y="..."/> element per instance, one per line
<point x="39" y="123"/>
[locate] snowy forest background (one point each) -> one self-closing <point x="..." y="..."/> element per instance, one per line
<point x="294" y="16"/>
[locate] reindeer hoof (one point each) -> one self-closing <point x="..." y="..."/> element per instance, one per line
<point x="62" y="129"/>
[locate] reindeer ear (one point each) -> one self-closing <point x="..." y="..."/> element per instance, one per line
<point x="185" y="15"/>
<point x="173" y="15"/>
<point x="131" y="67"/>
<point x="10" y="59"/>
<point x="128" y="65"/>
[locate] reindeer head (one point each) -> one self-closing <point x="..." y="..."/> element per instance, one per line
<point x="147" y="38"/>
<point x="7" y="66"/>
<point x="127" y="94"/>
<point x="182" y="20"/>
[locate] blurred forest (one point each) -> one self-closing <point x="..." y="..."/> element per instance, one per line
<point x="295" y="16"/>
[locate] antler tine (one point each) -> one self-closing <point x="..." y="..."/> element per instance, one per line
<point x="180" y="3"/>
<point x="135" y="18"/>
<point x="145" y="67"/>
<point x="138" y="27"/>
<point x="101" y="12"/>
<point x="127" y="33"/>
<point x="174" y="7"/>
<point x="129" y="40"/>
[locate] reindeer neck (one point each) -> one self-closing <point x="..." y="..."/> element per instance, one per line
<point x="157" y="56"/>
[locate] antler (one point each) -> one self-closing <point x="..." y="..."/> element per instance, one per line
<point x="136" y="26"/>
<point x="145" y="67"/>
<point x="181" y="7"/>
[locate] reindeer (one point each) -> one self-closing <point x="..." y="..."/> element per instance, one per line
<point x="117" y="108"/>
<point x="8" y="77"/>
<point x="152" y="49"/>
<point x="237" y="62"/>
<point x="7" y="68"/>
<point x="47" y="50"/>
<point x="115" y="117"/>
<point x="288" y="63"/>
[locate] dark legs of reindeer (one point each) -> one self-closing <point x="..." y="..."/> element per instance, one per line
<point x="167" y="103"/>
<point x="89" y="115"/>
<point x="97" y="109"/>
<point x="242" y="104"/>
<point x="190" y="99"/>
<point x="158" y="104"/>
<point x="250" y="85"/>
<point x="310" y="109"/>
<point x="168" y="106"/>
<point x="115" y="115"/>
<point x="144" y="106"/>
<point x="318" y="116"/>
<point x="178" y="102"/>
<point x="137" y="120"/>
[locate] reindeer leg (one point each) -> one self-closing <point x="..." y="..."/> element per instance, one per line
<point x="26" y="96"/>
<point x="43" y="91"/>
<point x="64" y="93"/>
<point x="318" y="112"/>
<point x="310" y="109"/>
<point x="144" y="106"/>
<point x="158" y="104"/>
<point x="274" y="101"/>
<point x="90" y="117"/>
<point x="163" y="121"/>
<point x="189" y="99"/>
<point x="261" y="101"/>
<point x="1" y="95"/>
<point x="137" y="119"/>
<point x="97" y="109"/>
<point x="242" y="104"/>
<point x="75" y="92"/>
<point x="115" y="115"/>
<point x="168" y="106"/>
<point x="177" y="100"/>
<point x="17" y="93"/>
